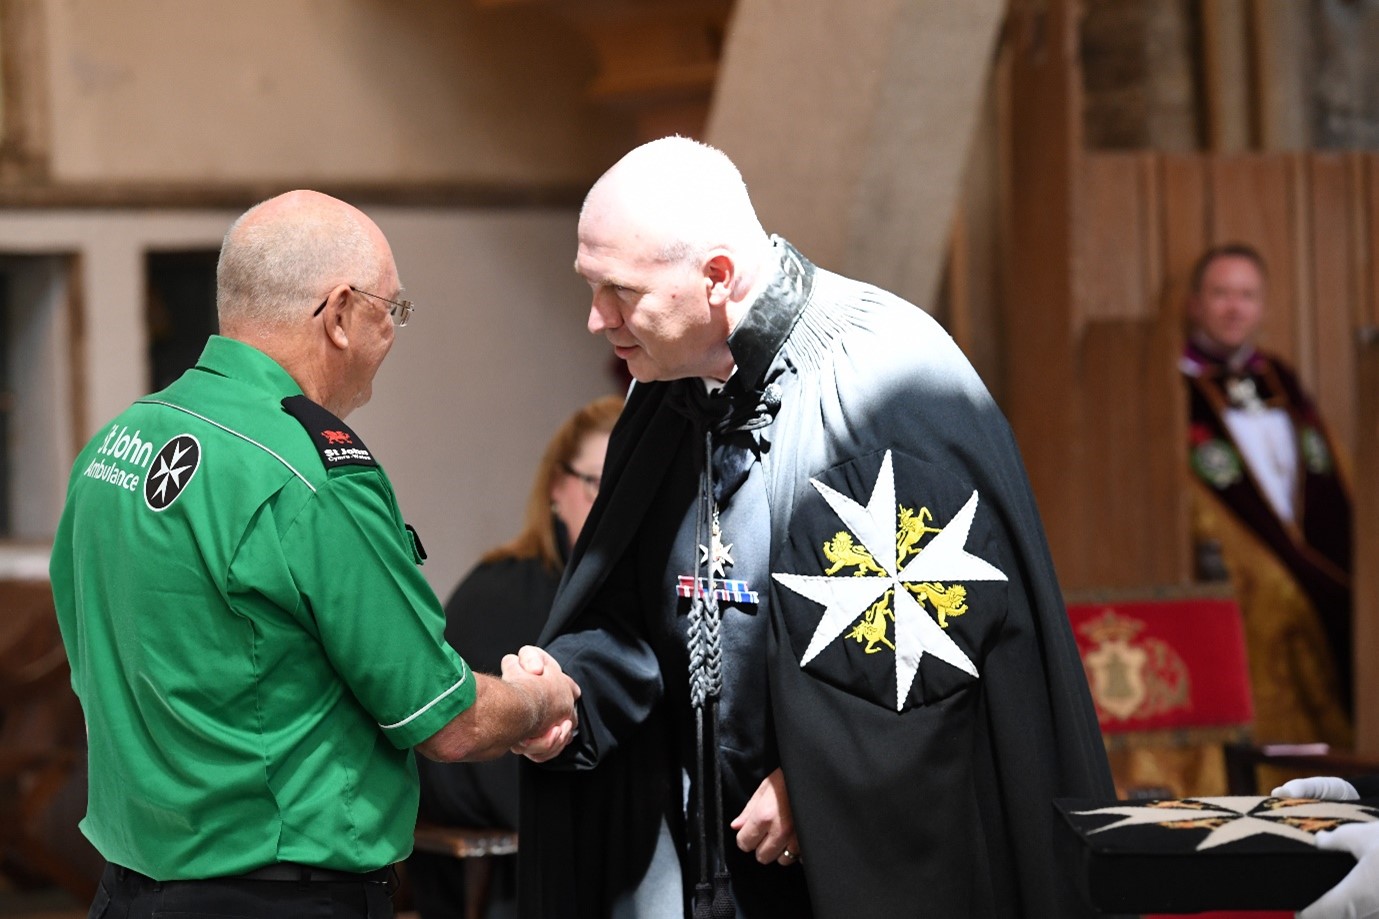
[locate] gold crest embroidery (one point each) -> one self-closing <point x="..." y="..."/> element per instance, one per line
<point x="1133" y="677"/>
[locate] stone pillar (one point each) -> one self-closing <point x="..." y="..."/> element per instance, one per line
<point x="852" y="124"/>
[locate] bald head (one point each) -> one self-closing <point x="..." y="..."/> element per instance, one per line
<point x="302" y="252"/>
<point x="679" y="196"/>
<point x="284" y="253"/>
<point x="674" y="254"/>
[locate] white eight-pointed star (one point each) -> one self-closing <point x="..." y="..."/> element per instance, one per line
<point x="846" y="598"/>
<point x="170" y="471"/>
<point x="1242" y="819"/>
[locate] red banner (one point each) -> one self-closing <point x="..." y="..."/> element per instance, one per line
<point x="1164" y="664"/>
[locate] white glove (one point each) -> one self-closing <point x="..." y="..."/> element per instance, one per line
<point x="1326" y="787"/>
<point x="1357" y="896"/>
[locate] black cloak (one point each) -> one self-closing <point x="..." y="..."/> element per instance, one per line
<point x="941" y="706"/>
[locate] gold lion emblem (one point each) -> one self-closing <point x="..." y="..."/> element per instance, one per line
<point x="844" y="553"/>
<point x="873" y="629"/>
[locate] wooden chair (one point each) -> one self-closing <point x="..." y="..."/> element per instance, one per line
<point x="475" y="846"/>
<point x="1244" y="759"/>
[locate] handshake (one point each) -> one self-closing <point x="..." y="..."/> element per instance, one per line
<point x="529" y="710"/>
<point x="551" y="694"/>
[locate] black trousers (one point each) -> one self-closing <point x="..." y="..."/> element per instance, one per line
<point x="126" y="894"/>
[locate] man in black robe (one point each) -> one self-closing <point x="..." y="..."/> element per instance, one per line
<point x="822" y="649"/>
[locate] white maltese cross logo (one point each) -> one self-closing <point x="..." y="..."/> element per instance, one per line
<point x="846" y="597"/>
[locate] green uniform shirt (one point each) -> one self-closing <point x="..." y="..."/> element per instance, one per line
<point x="253" y="644"/>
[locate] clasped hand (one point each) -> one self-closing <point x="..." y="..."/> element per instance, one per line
<point x="536" y="671"/>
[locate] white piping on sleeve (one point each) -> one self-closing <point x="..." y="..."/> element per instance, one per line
<point x="427" y="707"/>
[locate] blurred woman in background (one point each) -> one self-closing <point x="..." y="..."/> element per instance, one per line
<point x="499" y="606"/>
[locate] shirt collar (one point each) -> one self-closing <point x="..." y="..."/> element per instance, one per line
<point x="229" y="357"/>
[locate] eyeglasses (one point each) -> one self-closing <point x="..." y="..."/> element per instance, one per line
<point x="399" y="310"/>
<point x="591" y="482"/>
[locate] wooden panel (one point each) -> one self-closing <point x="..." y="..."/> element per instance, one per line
<point x="1282" y="77"/>
<point x="1112" y="489"/>
<point x="1252" y="201"/>
<point x="1226" y="75"/>
<point x="1365" y="483"/>
<point x="1332" y="296"/>
<point x="1169" y="475"/>
<point x="1044" y="123"/>
<point x="1369" y="295"/>
<point x="1129" y="394"/>
<point x="1366" y="580"/>
<point x="1304" y="311"/>
<point x="1183" y="203"/>
<point x="955" y="301"/>
<point x="1116" y="238"/>
<point x="1109" y="486"/>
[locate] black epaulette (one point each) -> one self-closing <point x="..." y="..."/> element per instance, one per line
<point x="337" y="444"/>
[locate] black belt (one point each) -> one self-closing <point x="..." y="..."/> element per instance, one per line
<point x="290" y="871"/>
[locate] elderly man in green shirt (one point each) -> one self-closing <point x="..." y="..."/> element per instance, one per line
<point x="254" y="647"/>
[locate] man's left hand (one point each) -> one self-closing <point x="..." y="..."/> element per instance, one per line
<point x="766" y="825"/>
